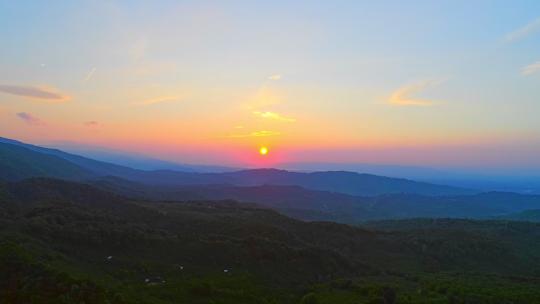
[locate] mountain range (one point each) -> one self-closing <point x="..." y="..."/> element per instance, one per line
<point x="68" y="242"/>
<point x="335" y="181"/>
<point x="338" y="196"/>
<point x="78" y="230"/>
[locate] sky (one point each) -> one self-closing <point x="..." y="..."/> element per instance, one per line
<point x="433" y="83"/>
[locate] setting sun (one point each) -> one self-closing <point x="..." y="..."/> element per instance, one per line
<point x="404" y="164"/>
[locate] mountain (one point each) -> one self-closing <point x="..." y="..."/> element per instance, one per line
<point x="293" y="201"/>
<point x="342" y="182"/>
<point x="330" y="196"/>
<point x="399" y="171"/>
<point x="339" y="181"/>
<point x="18" y="163"/>
<point x="65" y="242"/>
<point x="306" y="204"/>
<point x="97" y="168"/>
<point x="532" y="215"/>
<point x="483" y="205"/>
<point x="135" y="161"/>
<point x="525" y="181"/>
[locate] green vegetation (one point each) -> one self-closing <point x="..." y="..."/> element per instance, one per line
<point x="64" y="242"/>
<point x="17" y="163"/>
<point x="527" y="215"/>
<point x="318" y="196"/>
<point x="310" y="205"/>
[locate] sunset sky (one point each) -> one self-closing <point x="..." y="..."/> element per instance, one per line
<point x="454" y="84"/>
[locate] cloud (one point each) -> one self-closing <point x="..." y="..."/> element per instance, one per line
<point x="89" y="75"/>
<point x="274" y="116"/>
<point x="521" y="33"/>
<point x="263" y="133"/>
<point x="30" y="119"/>
<point x="91" y="123"/>
<point x="153" y="101"/>
<point x="402" y="97"/>
<point x="275" y="77"/>
<point x="42" y="93"/>
<point x="531" y="69"/>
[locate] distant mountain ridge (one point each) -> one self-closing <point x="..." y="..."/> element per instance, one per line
<point x="338" y="181"/>
<point x="531" y="215"/>
<point x="316" y="205"/>
<point x="94" y="167"/>
<point x="120" y="160"/>
<point x="17" y="163"/>
<point x="136" y="161"/>
<point x="343" y="182"/>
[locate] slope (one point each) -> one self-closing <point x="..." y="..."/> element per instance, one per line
<point x="17" y="163"/>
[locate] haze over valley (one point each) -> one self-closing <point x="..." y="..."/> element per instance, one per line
<point x="282" y="152"/>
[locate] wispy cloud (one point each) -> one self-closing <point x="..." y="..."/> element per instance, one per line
<point x="89" y="75"/>
<point x="529" y="29"/>
<point x="531" y="69"/>
<point x="153" y="101"/>
<point x="42" y="93"/>
<point x="91" y="123"/>
<point x="30" y="119"/>
<point x="274" y="116"/>
<point x="262" y="133"/>
<point x="403" y="95"/>
<point x="275" y="77"/>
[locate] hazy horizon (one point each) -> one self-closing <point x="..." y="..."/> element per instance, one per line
<point x="344" y="82"/>
<point x="265" y="152"/>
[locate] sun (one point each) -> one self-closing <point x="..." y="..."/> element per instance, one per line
<point x="263" y="151"/>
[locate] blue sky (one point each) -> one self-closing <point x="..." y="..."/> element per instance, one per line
<point x="452" y="83"/>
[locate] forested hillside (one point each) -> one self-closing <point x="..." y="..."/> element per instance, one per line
<point x="65" y="242"/>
